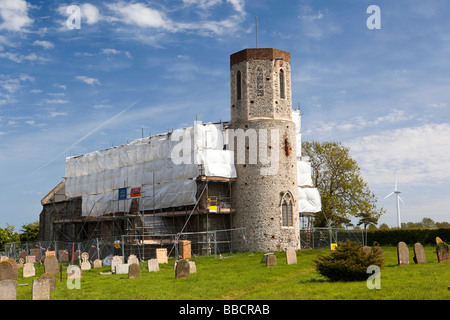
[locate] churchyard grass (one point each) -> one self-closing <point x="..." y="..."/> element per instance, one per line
<point x="241" y="276"/>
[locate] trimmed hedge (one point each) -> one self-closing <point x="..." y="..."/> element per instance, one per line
<point x="409" y="236"/>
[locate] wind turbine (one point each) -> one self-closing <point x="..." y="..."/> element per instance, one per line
<point x="397" y="195"/>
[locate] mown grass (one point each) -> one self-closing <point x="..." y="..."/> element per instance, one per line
<point x="241" y="276"/>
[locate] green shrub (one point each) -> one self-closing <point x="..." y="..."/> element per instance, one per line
<point x="348" y="262"/>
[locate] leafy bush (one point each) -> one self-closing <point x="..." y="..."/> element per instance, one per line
<point x="348" y="262"/>
<point x="408" y="235"/>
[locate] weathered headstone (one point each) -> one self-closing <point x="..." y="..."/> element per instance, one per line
<point x="419" y="253"/>
<point x="134" y="271"/>
<point x="73" y="272"/>
<point x="15" y="269"/>
<point x="116" y="260"/>
<point x="28" y="270"/>
<point x="182" y="269"/>
<point x="97" y="263"/>
<point x="132" y="259"/>
<point x="442" y="252"/>
<point x="21" y="262"/>
<point x="85" y="264"/>
<point x="122" y="268"/>
<point x="6" y="270"/>
<point x="264" y="258"/>
<point x="161" y="255"/>
<point x="31" y="259"/>
<point x="36" y="253"/>
<point x="51" y="264"/>
<point x="153" y="265"/>
<point x="192" y="267"/>
<point x="51" y="280"/>
<point x="271" y="260"/>
<point x="63" y="255"/>
<point x="8" y="290"/>
<point x="185" y="249"/>
<point x="40" y="290"/>
<point x="402" y="253"/>
<point x="291" y="256"/>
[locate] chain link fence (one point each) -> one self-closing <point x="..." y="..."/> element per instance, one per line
<point x="317" y="238"/>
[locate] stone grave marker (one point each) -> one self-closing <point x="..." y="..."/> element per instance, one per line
<point x="264" y="258"/>
<point x="73" y="272"/>
<point x="63" y="255"/>
<point x="15" y="269"/>
<point x="192" y="267"/>
<point x="51" y="280"/>
<point x="271" y="260"/>
<point x="8" y="290"/>
<point x="116" y="260"/>
<point x="291" y="256"/>
<point x="28" y="270"/>
<point x="153" y="265"/>
<point x="51" y="264"/>
<point x="419" y="253"/>
<point x="402" y="253"/>
<point x="40" y="290"/>
<point x="442" y="252"/>
<point x="31" y="259"/>
<point x="21" y="262"/>
<point x="6" y="270"/>
<point x="161" y="255"/>
<point x="36" y="253"/>
<point x="134" y="271"/>
<point x="132" y="259"/>
<point x="185" y="249"/>
<point x="122" y="268"/>
<point x="85" y="264"/>
<point x="182" y="269"/>
<point x="97" y="263"/>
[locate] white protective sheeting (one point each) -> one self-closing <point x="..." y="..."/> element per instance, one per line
<point x="309" y="200"/>
<point x="304" y="174"/>
<point x="164" y="166"/>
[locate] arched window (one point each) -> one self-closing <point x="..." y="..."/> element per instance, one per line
<point x="287" y="209"/>
<point x="282" y="87"/>
<point x="259" y="82"/>
<point x="238" y="85"/>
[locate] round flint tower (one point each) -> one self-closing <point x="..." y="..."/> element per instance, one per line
<point x="262" y="136"/>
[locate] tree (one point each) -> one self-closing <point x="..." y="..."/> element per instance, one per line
<point x="344" y="193"/>
<point x="29" y="231"/>
<point x="8" y="235"/>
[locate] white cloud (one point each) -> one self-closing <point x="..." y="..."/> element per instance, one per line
<point x="114" y="52"/>
<point x="90" y="13"/>
<point x="14" y="14"/>
<point x="139" y="14"/>
<point x="54" y="101"/>
<point x="89" y="81"/>
<point x="418" y="154"/>
<point x="19" y="58"/>
<point x="44" y="44"/>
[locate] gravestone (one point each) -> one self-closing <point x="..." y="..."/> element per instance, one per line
<point x="85" y="264"/>
<point x="51" y="264"/>
<point x="23" y="255"/>
<point x="40" y="290"/>
<point x="6" y="270"/>
<point x="116" y="260"/>
<point x="74" y="272"/>
<point x="264" y="258"/>
<point x="51" y="280"/>
<point x="132" y="259"/>
<point x="185" y="249"/>
<point x="31" y="259"/>
<point x="97" y="263"/>
<point x="8" y="290"/>
<point x="442" y="252"/>
<point x="161" y="255"/>
<point x="134" y="271"/>
<point x="28" y="270"/>
<point x="20" y="264"/>
<point x="271" y="260"/>
<point x="192" y="267"/>
<point x="419" y="253"/>
<point x="15" y="269"/>
<point x="182" y="269"/>
<point x="291" y="256"/>
<point x="153" y="265"/>
<point x="122" y="268"/>
<point x="63" y="255"/>
<point x="36" y="253"/>
<point x="402" y="253"/>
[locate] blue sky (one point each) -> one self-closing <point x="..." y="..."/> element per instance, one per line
<point x="157" y="65"/>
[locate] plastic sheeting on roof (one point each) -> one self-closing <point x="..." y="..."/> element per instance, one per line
<point x="309" y="200"/>
<point x="164" y="166"/>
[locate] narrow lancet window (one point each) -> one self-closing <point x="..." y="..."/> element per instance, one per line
<point x="282" y="87"/>
<point x="238" y="85"/>
<point x="259" y="82"/>
<point x="287" y="210"/>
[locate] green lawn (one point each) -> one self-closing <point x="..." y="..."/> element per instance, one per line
<point x="241" y="276"/>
